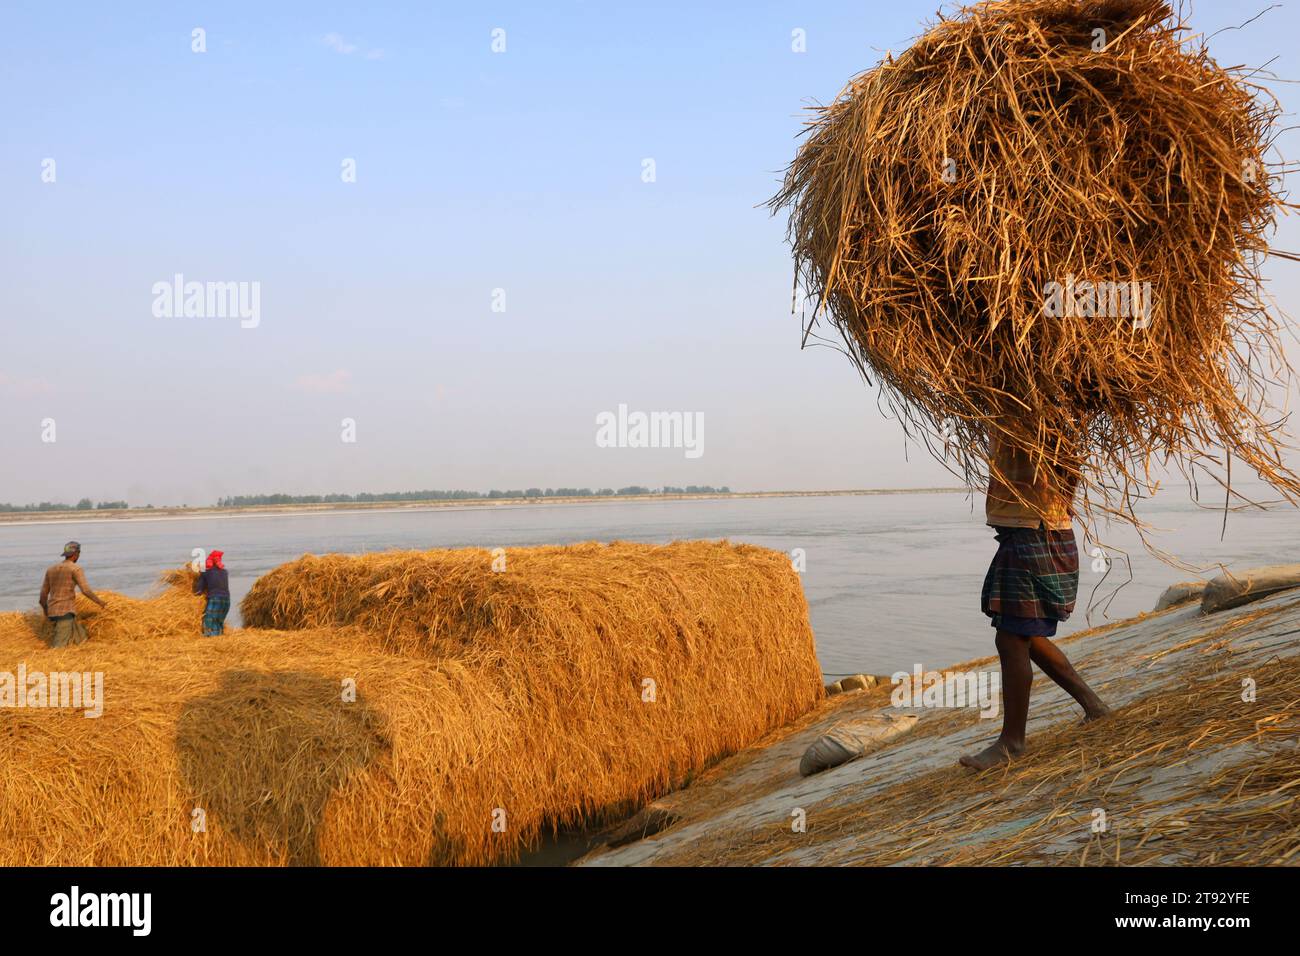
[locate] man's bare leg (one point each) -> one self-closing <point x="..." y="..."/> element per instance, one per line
<point x="1017" y="676"/>
<point x="1016" y="653"/>
<point x="1055" y="665"/>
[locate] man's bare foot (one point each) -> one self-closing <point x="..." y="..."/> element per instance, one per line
<point x="1095" y="711"/>
<point x="998" y="753"/>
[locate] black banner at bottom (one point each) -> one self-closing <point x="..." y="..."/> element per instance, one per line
<point x="336" y="905"/>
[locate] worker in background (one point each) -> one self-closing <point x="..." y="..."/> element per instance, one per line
<point x="215" y="583"/>
<point x="59" y="597"/>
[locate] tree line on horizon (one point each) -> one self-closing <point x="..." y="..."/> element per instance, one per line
<point x="243" y="501"/>
<point x="239" y="501"/>
<point x="85" y="504"/>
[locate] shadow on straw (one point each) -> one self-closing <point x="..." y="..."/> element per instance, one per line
<point x="264" y="753"/>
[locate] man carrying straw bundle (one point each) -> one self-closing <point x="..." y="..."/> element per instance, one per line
<point x="1030" y="586"/>
<point x="1040" y="231"/>
<point x="59" y="597"/>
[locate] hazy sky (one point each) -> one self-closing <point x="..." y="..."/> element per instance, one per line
<point x="475" y="171"/>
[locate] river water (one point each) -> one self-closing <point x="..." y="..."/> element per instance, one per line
<point x="891" y="580"/>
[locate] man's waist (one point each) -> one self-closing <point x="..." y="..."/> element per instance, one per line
<point x="1034" y="524"/>
<point x="1018" y="516"/>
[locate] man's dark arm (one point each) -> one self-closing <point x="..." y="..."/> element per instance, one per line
<point x="80" y="577"/>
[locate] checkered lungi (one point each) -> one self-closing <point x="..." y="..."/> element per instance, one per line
<point x="1033" y="577"/>
<point x="214" y="615"/>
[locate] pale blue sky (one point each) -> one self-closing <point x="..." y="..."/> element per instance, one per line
<point x="475" y="171"/>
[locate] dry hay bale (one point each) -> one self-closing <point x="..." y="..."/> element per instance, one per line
<point x="717" y="633"/>
<point x="533" y="705"/>
<point x="939" y="203"/>
<point x="173" y="610"/>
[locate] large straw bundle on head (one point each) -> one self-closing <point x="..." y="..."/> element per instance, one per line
<point x="986" y="218"/>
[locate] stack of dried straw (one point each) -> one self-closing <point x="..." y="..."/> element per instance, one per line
<point x="1044" y="223"/>
<point x="565" y="687"/>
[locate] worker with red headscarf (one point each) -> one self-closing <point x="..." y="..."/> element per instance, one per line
<point x="215" y="583"/>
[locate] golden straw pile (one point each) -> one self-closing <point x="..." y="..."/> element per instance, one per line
<point x="984" y="219"/>
<point x="490" y="707"/>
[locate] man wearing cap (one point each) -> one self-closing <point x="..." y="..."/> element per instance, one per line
<point x="59" y="597"/>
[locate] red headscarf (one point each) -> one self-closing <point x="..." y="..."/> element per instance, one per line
<point x="214" y="559"/>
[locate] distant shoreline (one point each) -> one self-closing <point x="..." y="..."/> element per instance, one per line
<point x="350" y="507"/>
